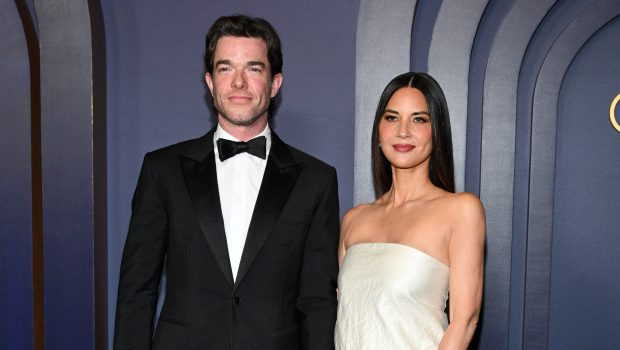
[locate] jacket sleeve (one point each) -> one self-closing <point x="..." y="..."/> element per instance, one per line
<point x="141" y="265"/>
<point x="317" y="301"/>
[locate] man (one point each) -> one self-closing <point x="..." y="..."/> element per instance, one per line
<point x="247" y="228"/>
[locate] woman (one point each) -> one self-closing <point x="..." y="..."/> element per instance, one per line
<point x="401" y="254"/>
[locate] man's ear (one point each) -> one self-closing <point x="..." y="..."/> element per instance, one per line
<point x="276" y="83"/>
<point x="209" y="81"/>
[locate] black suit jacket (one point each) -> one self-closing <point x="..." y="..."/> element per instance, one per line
<point x="284" y="294"/>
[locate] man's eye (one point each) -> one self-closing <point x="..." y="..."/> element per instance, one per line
<point x="223" y="69"/>
<point x="256" y="69"/>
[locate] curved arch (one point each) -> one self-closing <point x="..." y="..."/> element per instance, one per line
<point x="74" y="202"/>
<point x="19" y="262"/>
<point x="374" y="69"/>
<point x="453" y="36"/>
<point x="497" y="160"/>
<point x="585" y="208"/>
<point x="422" y="32"/>
<point x="542" y="163"/>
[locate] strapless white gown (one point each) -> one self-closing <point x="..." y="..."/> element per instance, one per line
<point x="390" y="296"/>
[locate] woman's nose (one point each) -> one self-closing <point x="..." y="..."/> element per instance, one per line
<point x="404" y="129"/>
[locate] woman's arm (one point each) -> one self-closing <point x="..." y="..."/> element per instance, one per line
<point x="466" y="254"/>
<point x="344" y="227"/>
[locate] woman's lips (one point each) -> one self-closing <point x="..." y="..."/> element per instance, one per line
<point x="403" y="147"/>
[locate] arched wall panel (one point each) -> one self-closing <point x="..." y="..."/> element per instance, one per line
<point x="552" y="25"/>
<point x="448" y="62"/>
<point x="16" y="264"/>
<point x="71" y="209"/>
<point x="583" y="294"/>
<point x="376" y="36"/>
<point x="542" y="178"/>
<point x="421" y="33"/>
<point x="492" y="18"/>
<point x="503" y="271"/>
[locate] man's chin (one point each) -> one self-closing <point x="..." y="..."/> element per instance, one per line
<point x="241" y="120"/>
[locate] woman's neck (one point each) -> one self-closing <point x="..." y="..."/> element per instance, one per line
<point x="410" y="185"/>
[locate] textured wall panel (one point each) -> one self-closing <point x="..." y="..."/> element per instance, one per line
<point x="497" y="171"/>
<point x="542" y="172"/>
<point x="584" y="293"/>
<point x="493" y="330"/>
<point x="68" y="142"/>
<point x="554" y="22"/>
<point x="16" y="283"/>
<point x="383" y="41"/>
<point x="448" y="62"/>
<point x="421" y="33"/>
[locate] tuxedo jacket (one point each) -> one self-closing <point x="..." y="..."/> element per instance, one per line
<point x="284" y="293"/>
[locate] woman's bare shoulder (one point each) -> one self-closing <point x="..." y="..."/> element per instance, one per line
<point x="467" y="214"/>
<point x="463" y="202"/>
<point x="355" y="213"/>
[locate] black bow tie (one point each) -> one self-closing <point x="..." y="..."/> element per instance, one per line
<point x="255" y="147"/>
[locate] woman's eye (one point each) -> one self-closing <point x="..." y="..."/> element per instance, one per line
<point x="419" y="119"/>
<point x="389" y="117"/>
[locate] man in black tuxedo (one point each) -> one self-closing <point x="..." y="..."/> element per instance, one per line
<point x="246" y="225"/>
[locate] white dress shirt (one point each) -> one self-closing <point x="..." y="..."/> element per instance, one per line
<point x="238" y="179"/>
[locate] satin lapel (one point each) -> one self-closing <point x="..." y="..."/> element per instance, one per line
<point x="280" y="176"/>
<point x="201" y="181"/>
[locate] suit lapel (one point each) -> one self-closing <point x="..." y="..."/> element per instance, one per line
<point x="280" y="176"/>
<point x="201" y="182"/>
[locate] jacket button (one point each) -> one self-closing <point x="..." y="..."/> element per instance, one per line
<point x="236" y="301"/>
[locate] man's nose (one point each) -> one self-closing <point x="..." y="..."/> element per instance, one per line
<point x="239" y="80"/>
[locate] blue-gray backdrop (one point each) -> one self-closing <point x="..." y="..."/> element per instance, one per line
<point x="89" y="86"/>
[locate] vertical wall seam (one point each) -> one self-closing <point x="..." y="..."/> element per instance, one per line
<point x="36" y="175"/>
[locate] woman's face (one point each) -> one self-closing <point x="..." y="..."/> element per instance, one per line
<point x="405" y="132"/>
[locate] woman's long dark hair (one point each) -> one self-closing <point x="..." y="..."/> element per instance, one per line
<point x="441" y="170"/>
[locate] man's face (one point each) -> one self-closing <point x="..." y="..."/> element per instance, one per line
<point x="241" y="84"/>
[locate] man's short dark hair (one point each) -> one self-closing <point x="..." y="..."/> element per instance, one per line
<point x="247" y="27"/>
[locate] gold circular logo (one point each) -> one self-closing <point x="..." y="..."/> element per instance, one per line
<point x="612" y="113"/>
